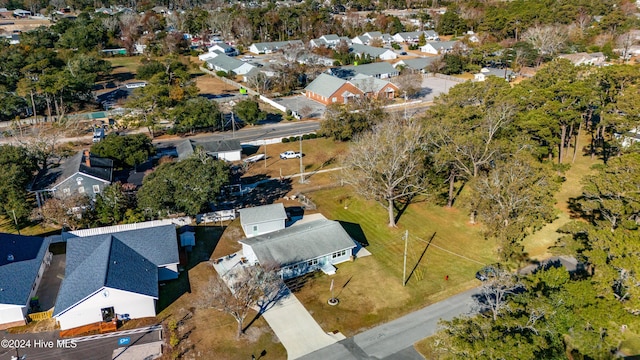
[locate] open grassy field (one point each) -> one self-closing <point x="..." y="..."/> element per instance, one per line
<point x="7" y="225"/>
<point x="441" y="243"/>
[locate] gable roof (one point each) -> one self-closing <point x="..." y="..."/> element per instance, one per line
<point x="17" y="275"/>
<point x="222" y="46"/>
<point x="369" y="83"/>
<point x="442" y="45"/>
<point x="417" y="63"/>
<point x="264" y="213"/>
<point x="372" y="51"/>
<point x="409" y="35"/>
<point x="330" y="37"/>
<point x="186" y="148"/>
<point x="225" y="62"/>
<point x="501" y="73"/>
<point x="126" y="260"/>
<point x="325" y="85"/>
<point x="371" y="69"/>
<point x="274" y="45"/>
<point x="100" y="168"/>
<point x="372" y="34"/>
<point x="300" y="242"/>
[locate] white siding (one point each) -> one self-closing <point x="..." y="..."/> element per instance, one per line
<point x="388" y="55"/>
<point x="230" y="156"/>
<point x="123" y="302"/>
<point x="247" y="251"/>
<point x="11" y="313"/>
<point x="45" y="263"/>
<point x="262" y="228"/>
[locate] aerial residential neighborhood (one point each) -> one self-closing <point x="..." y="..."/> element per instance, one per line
<point x="319" y="180"/>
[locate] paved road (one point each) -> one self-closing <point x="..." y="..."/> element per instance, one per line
<point x="45" y="346"/>
<point x="394" y="340"/>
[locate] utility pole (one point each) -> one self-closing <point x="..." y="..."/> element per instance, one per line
<point x="405" y="105"/>
<point x="404" y="269"/>
<point x="301" y="167"/>
<point x="265" y="153"/>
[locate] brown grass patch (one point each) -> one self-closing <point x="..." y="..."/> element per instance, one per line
<point x="211" y="85"/>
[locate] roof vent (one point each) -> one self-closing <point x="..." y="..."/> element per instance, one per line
<point x="10" y="257"/>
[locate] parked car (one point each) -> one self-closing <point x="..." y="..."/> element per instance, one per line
<point x="290" y="155"/>
<point x="486" y="272"/>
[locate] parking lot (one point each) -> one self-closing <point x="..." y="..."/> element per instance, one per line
<point x="434" y="86"/>
<point x="303" y="105"/>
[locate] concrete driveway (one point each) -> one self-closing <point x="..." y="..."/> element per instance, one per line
<point x="297" y="330"/>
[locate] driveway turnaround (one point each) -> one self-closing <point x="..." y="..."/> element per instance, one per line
<point x="395" y="339"/>
<point x="295" y="327"/>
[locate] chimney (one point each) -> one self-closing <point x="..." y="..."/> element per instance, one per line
<point x="87" y="158"/>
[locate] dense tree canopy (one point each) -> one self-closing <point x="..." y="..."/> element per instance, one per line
<point x="187" y="186"/>
<point x="17" y="167"/>
<point x="128" y="150"/>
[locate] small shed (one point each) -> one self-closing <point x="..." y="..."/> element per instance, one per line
<point x="262" y="219"/>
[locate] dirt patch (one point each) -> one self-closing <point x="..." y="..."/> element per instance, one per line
<point x="210" y="85"/>
<point x="23" y="25"/>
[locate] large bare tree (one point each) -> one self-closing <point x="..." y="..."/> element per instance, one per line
<point x="388" y="163"/>
<point x="242" y="289"/>
<point x="548" y="39"/>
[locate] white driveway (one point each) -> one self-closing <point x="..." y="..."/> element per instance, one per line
<point x="297" y="330"/>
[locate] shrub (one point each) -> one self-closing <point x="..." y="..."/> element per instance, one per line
<point x="313" y="136"/>
<point x="221" y="73"/>
<point x="396" y="46"/>
<point x="285" y="140"/>
<point x="293" y="138"/>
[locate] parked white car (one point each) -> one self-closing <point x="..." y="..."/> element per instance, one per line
<point x="290" y="155"/>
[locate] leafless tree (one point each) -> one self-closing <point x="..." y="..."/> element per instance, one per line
<point x="494" y="291"/>
<point x="67" y="211"/>
<point x="260" y="82"/>
<point x="388" y="164"/>
<point x="42" y="139"/>
<point x="624" y="43"/>
<point x="583" y="19"/>
<point x="241" y="290"/>
<point x="408" y="82"/>
<point x="548" y="39"/>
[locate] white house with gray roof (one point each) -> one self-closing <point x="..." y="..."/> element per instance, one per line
<point x="416" y="64"/>
<point x="115" y="273"/>
<point x="304" y="247"/>
<point x="23" y="260"/>
<point x="373" y="52"/>
<point x="227" y="64"/>
<point x="262" y="219"/>
<point x="440" y="47"/>
<point x="269" y="47"/>
<point x="380" y="70"/>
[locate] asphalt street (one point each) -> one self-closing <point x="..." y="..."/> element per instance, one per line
<point x="48" y="346"/>
<point x="395" y="339"/>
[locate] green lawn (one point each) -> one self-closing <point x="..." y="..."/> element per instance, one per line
<point x="370" y="289"/>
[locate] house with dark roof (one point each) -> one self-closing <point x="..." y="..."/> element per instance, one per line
<point x="229" y="149"/>
<point x="327" y="89"/>
<point x="304" y="247"/>
<point x="23" y="260"/>
<point x="82" y="173"/>
<point x="113" y="272"/>
<point x="262" y="219"/>
<point x="224" y="48"/>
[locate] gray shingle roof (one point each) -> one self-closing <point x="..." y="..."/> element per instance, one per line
<point x="372" y="51"/>
<point x="225" y="62"/>
<point x="100" y="168"/>
<point x="17" y="275"/>
<point x="373" y="69"/>
<point x="126" y="260"/>
<point x="264" y="213"/>
<point x="331" y="37"/>
<point x="300" y="243"/>
<point x="367" y="83"/>
<point x="443" y="45"/>
<point x="186" y="148"/>
<point x="273" y="45"/>
<point x="418" y="63"/>
<point x="325" y="85"/>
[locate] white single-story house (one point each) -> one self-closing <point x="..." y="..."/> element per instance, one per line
<point x="262" y="219"/>
<point x="269" y="47"/>
<point x="416" y="64"/>
<point x="329" y="41"/>
<point x="227" y="64"/>
<point x="229" y="149"/>
<point x="380" y="70"/>
<point x="224" y="48"/>
<point x="583" y="58"/>
<point x="414" y="36"/>
<point x="301" y="248"/>
<point x="373" y="52"/>
<point x="629" y="138"/>
<point x="506" y="74"/>
<point x="439" y="47"/>
<point x="113" y="272"/>
<point x="23" y="260"/>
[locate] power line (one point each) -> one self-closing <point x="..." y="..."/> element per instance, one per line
<point x="448" y="251"/>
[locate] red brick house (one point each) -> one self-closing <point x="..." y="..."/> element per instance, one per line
<point x="327" y="89"/>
